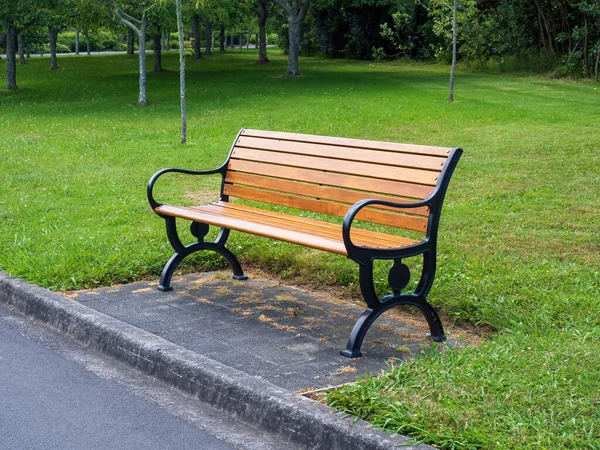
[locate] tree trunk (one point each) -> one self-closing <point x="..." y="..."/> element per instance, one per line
<point x="165" y="40"/>
<point x="542" y="35"/>
<point x="182" y="73"/>
<point x="130" y="42"/>
<point x="53" y="38"/>
<point x="88" y="44"/>
<point x="263" y="15"/>
<point x="11" y="62"/>
<point x="241" y="40"/>
<point x="296" y="12"/>
<point x="21" y="50"/>
<point x="547" y="27"/>
<point x="196" y="33"/>
<point x="157" y="53"/>
<point x="454" y="34"/>
<point x="597" y="63"/>
<point x="585" y="48"/>
<point x="222" y="38"/>
<point x="208" y="36"/>
<point x="294" y="51"/>
<point x="77" y="42"/>
<point x="142" y="51"/>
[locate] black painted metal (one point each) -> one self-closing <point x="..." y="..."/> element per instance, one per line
<point x="198" y="230"/>
<point x="377" y="306"/>
<point x="181" y="251"/>
<point x="399" y="274"/>
<point x="398" y="277"/>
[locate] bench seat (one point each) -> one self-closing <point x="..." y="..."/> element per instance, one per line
<point x="385" y="185"/>
<point x="284" y="227"/>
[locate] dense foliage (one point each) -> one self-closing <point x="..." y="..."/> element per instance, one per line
<point x="558" y="35"/>
<point x="490" y="32"/>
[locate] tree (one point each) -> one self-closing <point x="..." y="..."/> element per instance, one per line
<point x="88" y="15"/>
<point x="181" y="72"/>
<point x="263" y="15"/>
<point x="21" y="49"/>
<point x="196" y="35"/>
<point x="15" y="17"/>
<point x="139" y="27"/>
<point x="56" y="16"/>
<point x="296" y="12"/>
<point x="454" y="34"/>
<point x="159" y="17"/>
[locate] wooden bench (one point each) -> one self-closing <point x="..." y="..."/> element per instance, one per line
<point x="396" y="185"/>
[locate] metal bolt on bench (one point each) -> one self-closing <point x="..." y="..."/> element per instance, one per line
<point x="395" y="185"/>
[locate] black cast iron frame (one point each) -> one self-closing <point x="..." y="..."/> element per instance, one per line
<point x="399" y="274"/>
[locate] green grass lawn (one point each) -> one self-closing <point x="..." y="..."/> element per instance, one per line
<point x="519" y="239"/>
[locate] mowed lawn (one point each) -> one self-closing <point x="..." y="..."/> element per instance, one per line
<point x="519" y="244"/>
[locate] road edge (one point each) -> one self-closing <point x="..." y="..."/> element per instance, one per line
<point x="253" y="400"/>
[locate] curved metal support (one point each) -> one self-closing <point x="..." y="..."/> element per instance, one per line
<point x="181" y="251"/>
<point x="398" y="279"/>
<point x="367" y="319"/>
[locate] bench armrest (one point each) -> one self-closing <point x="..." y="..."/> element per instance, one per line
<point x="153" y="203"/>
<point x="355" y="252"/>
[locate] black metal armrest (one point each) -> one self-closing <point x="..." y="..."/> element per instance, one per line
<point x="355" y="252"/>
<point x="153" y="203"/>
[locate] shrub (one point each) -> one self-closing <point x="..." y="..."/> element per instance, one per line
<point x="100" y="40"/>
<point x="60" y="48"/>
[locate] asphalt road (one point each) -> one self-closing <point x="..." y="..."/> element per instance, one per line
<point x="55" y="394"/>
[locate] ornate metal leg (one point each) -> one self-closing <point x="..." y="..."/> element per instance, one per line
<point x="199" y="230"/>
<point x="362" y="325"/>
<point x="398" y="279"/>
<point x="421" y="292"/>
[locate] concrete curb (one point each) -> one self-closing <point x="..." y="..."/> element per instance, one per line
<point x="255" y="401"/>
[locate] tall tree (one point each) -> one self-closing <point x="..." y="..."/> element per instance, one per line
<point x="56" y="16"/>
<point x="159" y="17"/>
<point x="89" y="15"/>
<point x="196" y="35"/>
<point x="208" y="35"/>
<point x="296" y="12"/>
<point x="139" y="27"/>
<point x="263" y="15"/>
<point x="21" y="49"/>
<point x="454" y="37"/>
<point x="16" y="16"/>
<point x="181" y="72"/>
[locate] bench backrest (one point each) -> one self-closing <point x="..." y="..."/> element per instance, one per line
<point x="327" y="174"/>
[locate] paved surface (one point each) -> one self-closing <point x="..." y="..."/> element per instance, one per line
<point x="282" y="334"/>
<point x="55" y="394"/>
<point x="242" y="348"/>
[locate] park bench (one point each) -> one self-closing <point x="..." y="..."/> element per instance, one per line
<point x="399" y="186"/>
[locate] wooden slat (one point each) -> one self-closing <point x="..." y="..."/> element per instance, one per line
<point x="295" y="237"/>
<point x="312" y="190"/>
<point x="357" y="143"/>
<point x="334" y="209"/>
<point x="316" y="224"/>
<point x="310" y="226"/>
<point x="398" y="188"/>
<point x="383" y="157"/>
<point x="254" y="224"/>
<point x="346" y="167"/>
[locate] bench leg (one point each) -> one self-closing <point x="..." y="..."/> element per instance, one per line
<point x="181" y="251"/>
<point x="398" y="279"/>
